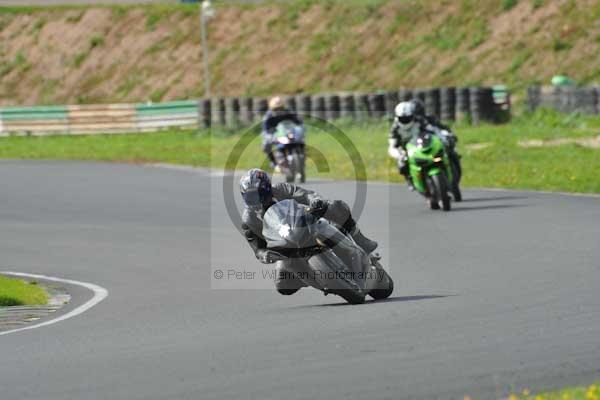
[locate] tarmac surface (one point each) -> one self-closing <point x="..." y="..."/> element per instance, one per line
<point x="498" y="295"/>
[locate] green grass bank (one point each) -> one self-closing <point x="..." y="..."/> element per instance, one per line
<point x="16" y="292"/>
<point x="543" y="151"/>
<point x="110" y="54"/>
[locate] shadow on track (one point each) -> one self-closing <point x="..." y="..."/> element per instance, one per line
<point x="490" y="207"/>
<point x="477" y="199"/>
<point x="388" y="300"/>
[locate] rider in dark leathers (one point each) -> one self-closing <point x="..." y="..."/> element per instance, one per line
<point x="259" y="195"/>
<point x="277" y="113"/>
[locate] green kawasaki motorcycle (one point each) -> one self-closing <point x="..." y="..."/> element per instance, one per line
<point x="433" y="172"/>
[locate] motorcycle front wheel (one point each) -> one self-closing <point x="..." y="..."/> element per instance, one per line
<point x="385" y="289"/>
<point x="440" y="184"/>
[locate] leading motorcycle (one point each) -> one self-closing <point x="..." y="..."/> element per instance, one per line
<point x="330" y="260"/>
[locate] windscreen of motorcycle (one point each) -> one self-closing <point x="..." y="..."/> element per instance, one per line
<point x="288" y="132"/>
<point x="287" y="224"/>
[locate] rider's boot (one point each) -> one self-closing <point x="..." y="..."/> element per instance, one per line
<point x="365" y="243"/>
<point x="408" y="180"/>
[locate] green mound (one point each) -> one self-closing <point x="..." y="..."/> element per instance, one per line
<point x="15" y="292"/>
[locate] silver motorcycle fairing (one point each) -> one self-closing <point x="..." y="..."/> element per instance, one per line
<point x="287" y="224"/>
<point x="340" y="265"/>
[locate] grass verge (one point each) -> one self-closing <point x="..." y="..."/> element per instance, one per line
<point x="16" y="292"/>
<point x="591" y="392"/>
<point x="501" y="164"/>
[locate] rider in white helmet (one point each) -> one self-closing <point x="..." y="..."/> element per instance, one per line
<point x="404" y="128"/>
<point x="410" y="121"/>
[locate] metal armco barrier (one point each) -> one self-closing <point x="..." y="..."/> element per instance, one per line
<point x="567" y="99"/>
<point x="474" y="104"/>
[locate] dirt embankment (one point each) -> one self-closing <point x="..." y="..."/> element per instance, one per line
<point x="140" y="53"/>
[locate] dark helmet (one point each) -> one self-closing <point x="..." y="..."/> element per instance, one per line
<point x="419" y="107"/>
<point x="256" y="190"/>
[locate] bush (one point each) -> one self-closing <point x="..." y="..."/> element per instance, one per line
<point x="508" y="4"/>
<point x="96" y="41"/>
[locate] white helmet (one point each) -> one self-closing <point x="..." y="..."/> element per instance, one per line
<point x="405" y="114"/>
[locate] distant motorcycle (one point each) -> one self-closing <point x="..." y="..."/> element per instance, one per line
<point x="289" y="150"/>
<point x="433" y="173"/>
<point x="332" y="261"/>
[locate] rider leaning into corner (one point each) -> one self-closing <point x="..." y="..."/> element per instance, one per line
<point x="411" y="120"/>
<point x="258" y="195"/>
<point x="276" y="113"/>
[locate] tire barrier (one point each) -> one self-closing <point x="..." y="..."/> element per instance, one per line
<point x="232" y="113"/>
<point x="303" y="104"/>
<point x="261" y="106"/>
<point x="318" y="109"/>
<point x="217" y="108"/>
<point x="204" y="113"/>
<point x="463" y="104"/>
<point x="361" y="102"/>
<point x="432" y="102"/>
<point x="420" y="95"/>
<point x="391" y="99"/>
<point x="448" y="104"/>
<point x="290" y="103"/>
<point x="332" y="107"/>
<point x="347" y="106"/>
<point x="246" y="111"/>
<point x="405" y="95"/>
<point x="476" y="104"/>
<point x="377" y="105"/>
<point x="566" y="99"/>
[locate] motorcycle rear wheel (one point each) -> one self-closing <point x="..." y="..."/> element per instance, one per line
<point x="351" y="296"/>
<point x="385" y="292"/>
<point x="298" y="165"/>
<point x="456" y="174"/>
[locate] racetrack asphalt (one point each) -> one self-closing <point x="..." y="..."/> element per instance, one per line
<point x="498" y="295"/>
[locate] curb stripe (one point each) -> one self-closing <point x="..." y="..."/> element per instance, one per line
<point x="99" y="294"/>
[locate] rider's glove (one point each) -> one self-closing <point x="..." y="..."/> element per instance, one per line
<point x="318" y="206"/>
<point x="268" y="256"/>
